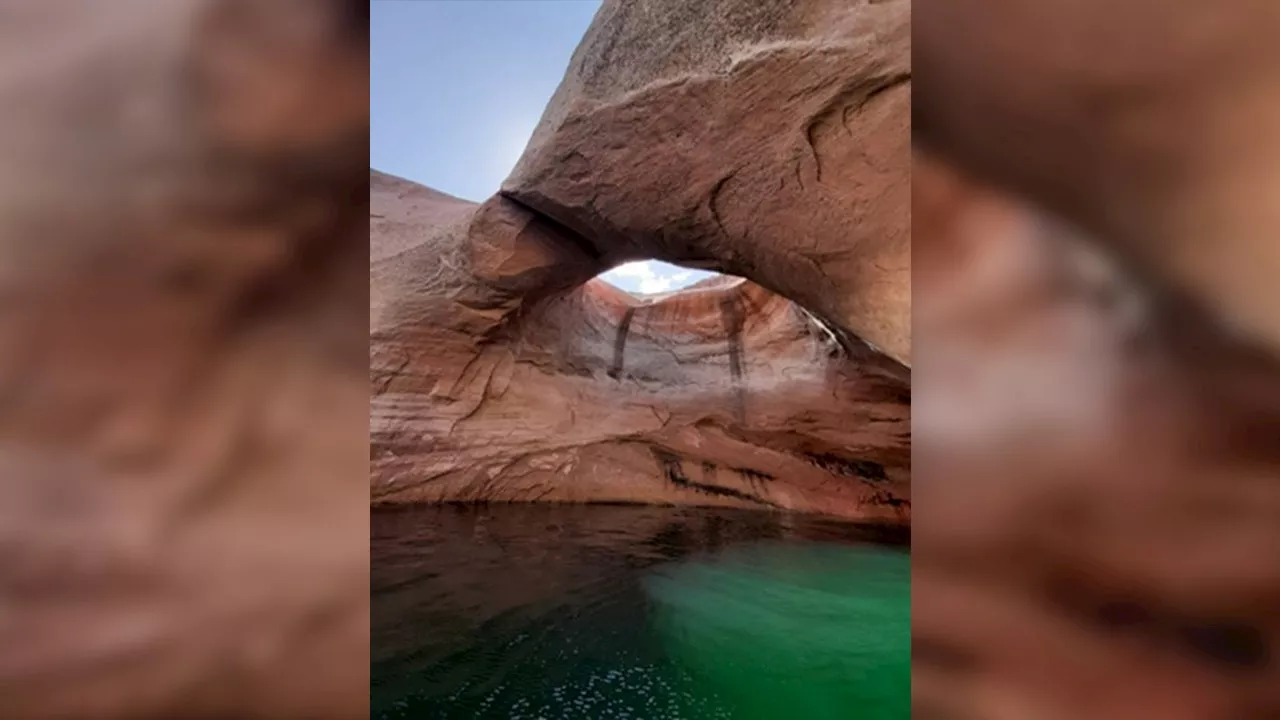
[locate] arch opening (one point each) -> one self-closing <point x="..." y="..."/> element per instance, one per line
<point x="647" y="278"/>
<point x="574" y="367"/>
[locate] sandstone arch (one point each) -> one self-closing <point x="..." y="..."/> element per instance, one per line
<point x="503" y="371"/>
<point x="765" y="140"/>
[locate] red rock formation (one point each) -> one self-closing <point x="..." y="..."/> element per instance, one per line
<point x="767" y="140"/>
<point x="502" y="371"/>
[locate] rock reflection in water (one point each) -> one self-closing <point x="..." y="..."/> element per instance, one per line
<point x="527" y="610"/>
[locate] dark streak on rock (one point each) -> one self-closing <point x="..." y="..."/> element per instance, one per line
<point x="753" y="475"/>
<point x="715" y="198"/>
<point x="1230" y="645"/>
<point x="845" y="104"/>
<point x="731" y="314"/>
<point x="865" y="469"/>
<point x="673" y="469"/>
<point x="809" y="133"/>
<point x="887" y="499"/>
<point x="620" y="343"/>
<point x="755" y="478"/>
<point x="465" y="377"/>
<point x="890" y="83"/>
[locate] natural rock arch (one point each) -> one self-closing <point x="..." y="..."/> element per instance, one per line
<point x="766" y="140"/>
<point x="503" y="371"/>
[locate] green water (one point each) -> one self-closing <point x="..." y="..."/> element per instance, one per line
<point x="799" y="630"/>
<point x="637" y="614"/>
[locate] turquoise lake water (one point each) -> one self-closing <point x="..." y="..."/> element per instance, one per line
<point x="636" y="613"/>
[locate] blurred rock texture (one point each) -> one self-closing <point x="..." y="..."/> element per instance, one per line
<point x="765" y="140"/>
<point x="1097" y="430"/>
<point x="183" y="388"/>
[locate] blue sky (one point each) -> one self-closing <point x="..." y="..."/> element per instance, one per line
<point x="457" y="87"/>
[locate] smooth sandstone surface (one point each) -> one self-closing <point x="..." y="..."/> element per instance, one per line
<point x="764" y="139"/>
<point x="524" y="379"/>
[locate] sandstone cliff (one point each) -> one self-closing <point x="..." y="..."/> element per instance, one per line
<point x="765" y="140"/>
<point x="502" y="371"/>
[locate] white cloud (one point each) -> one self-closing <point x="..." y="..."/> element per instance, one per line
<point x="650" y="277"/>
<point x="638" y="269"/>
<point x="655" y="285"/>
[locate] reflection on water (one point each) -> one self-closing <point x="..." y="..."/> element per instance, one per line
<point x="554" y="611"/>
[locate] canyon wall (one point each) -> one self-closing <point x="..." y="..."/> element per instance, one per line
<point x="521" y="378"/>
<point x="765" y="140"/>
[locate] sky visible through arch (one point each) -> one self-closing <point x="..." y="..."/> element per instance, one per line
<point x="457" y="87"/>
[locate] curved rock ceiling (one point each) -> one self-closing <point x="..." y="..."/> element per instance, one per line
<point x="504" y="371"/>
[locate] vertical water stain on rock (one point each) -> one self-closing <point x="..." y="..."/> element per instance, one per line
<point x="672" y="468"/>
<point x="620" y="343"/>
<point x="708" y="471"/>
<point x="731" y="314"/>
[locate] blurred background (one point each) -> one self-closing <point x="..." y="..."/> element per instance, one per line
<point x="1097" y="400"/>
<point x="183" y="361"/>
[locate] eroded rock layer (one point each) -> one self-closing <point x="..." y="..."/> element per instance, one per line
<point x="502" y="372"/>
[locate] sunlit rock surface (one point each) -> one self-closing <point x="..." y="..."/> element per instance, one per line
<point x="765" y="140"/>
